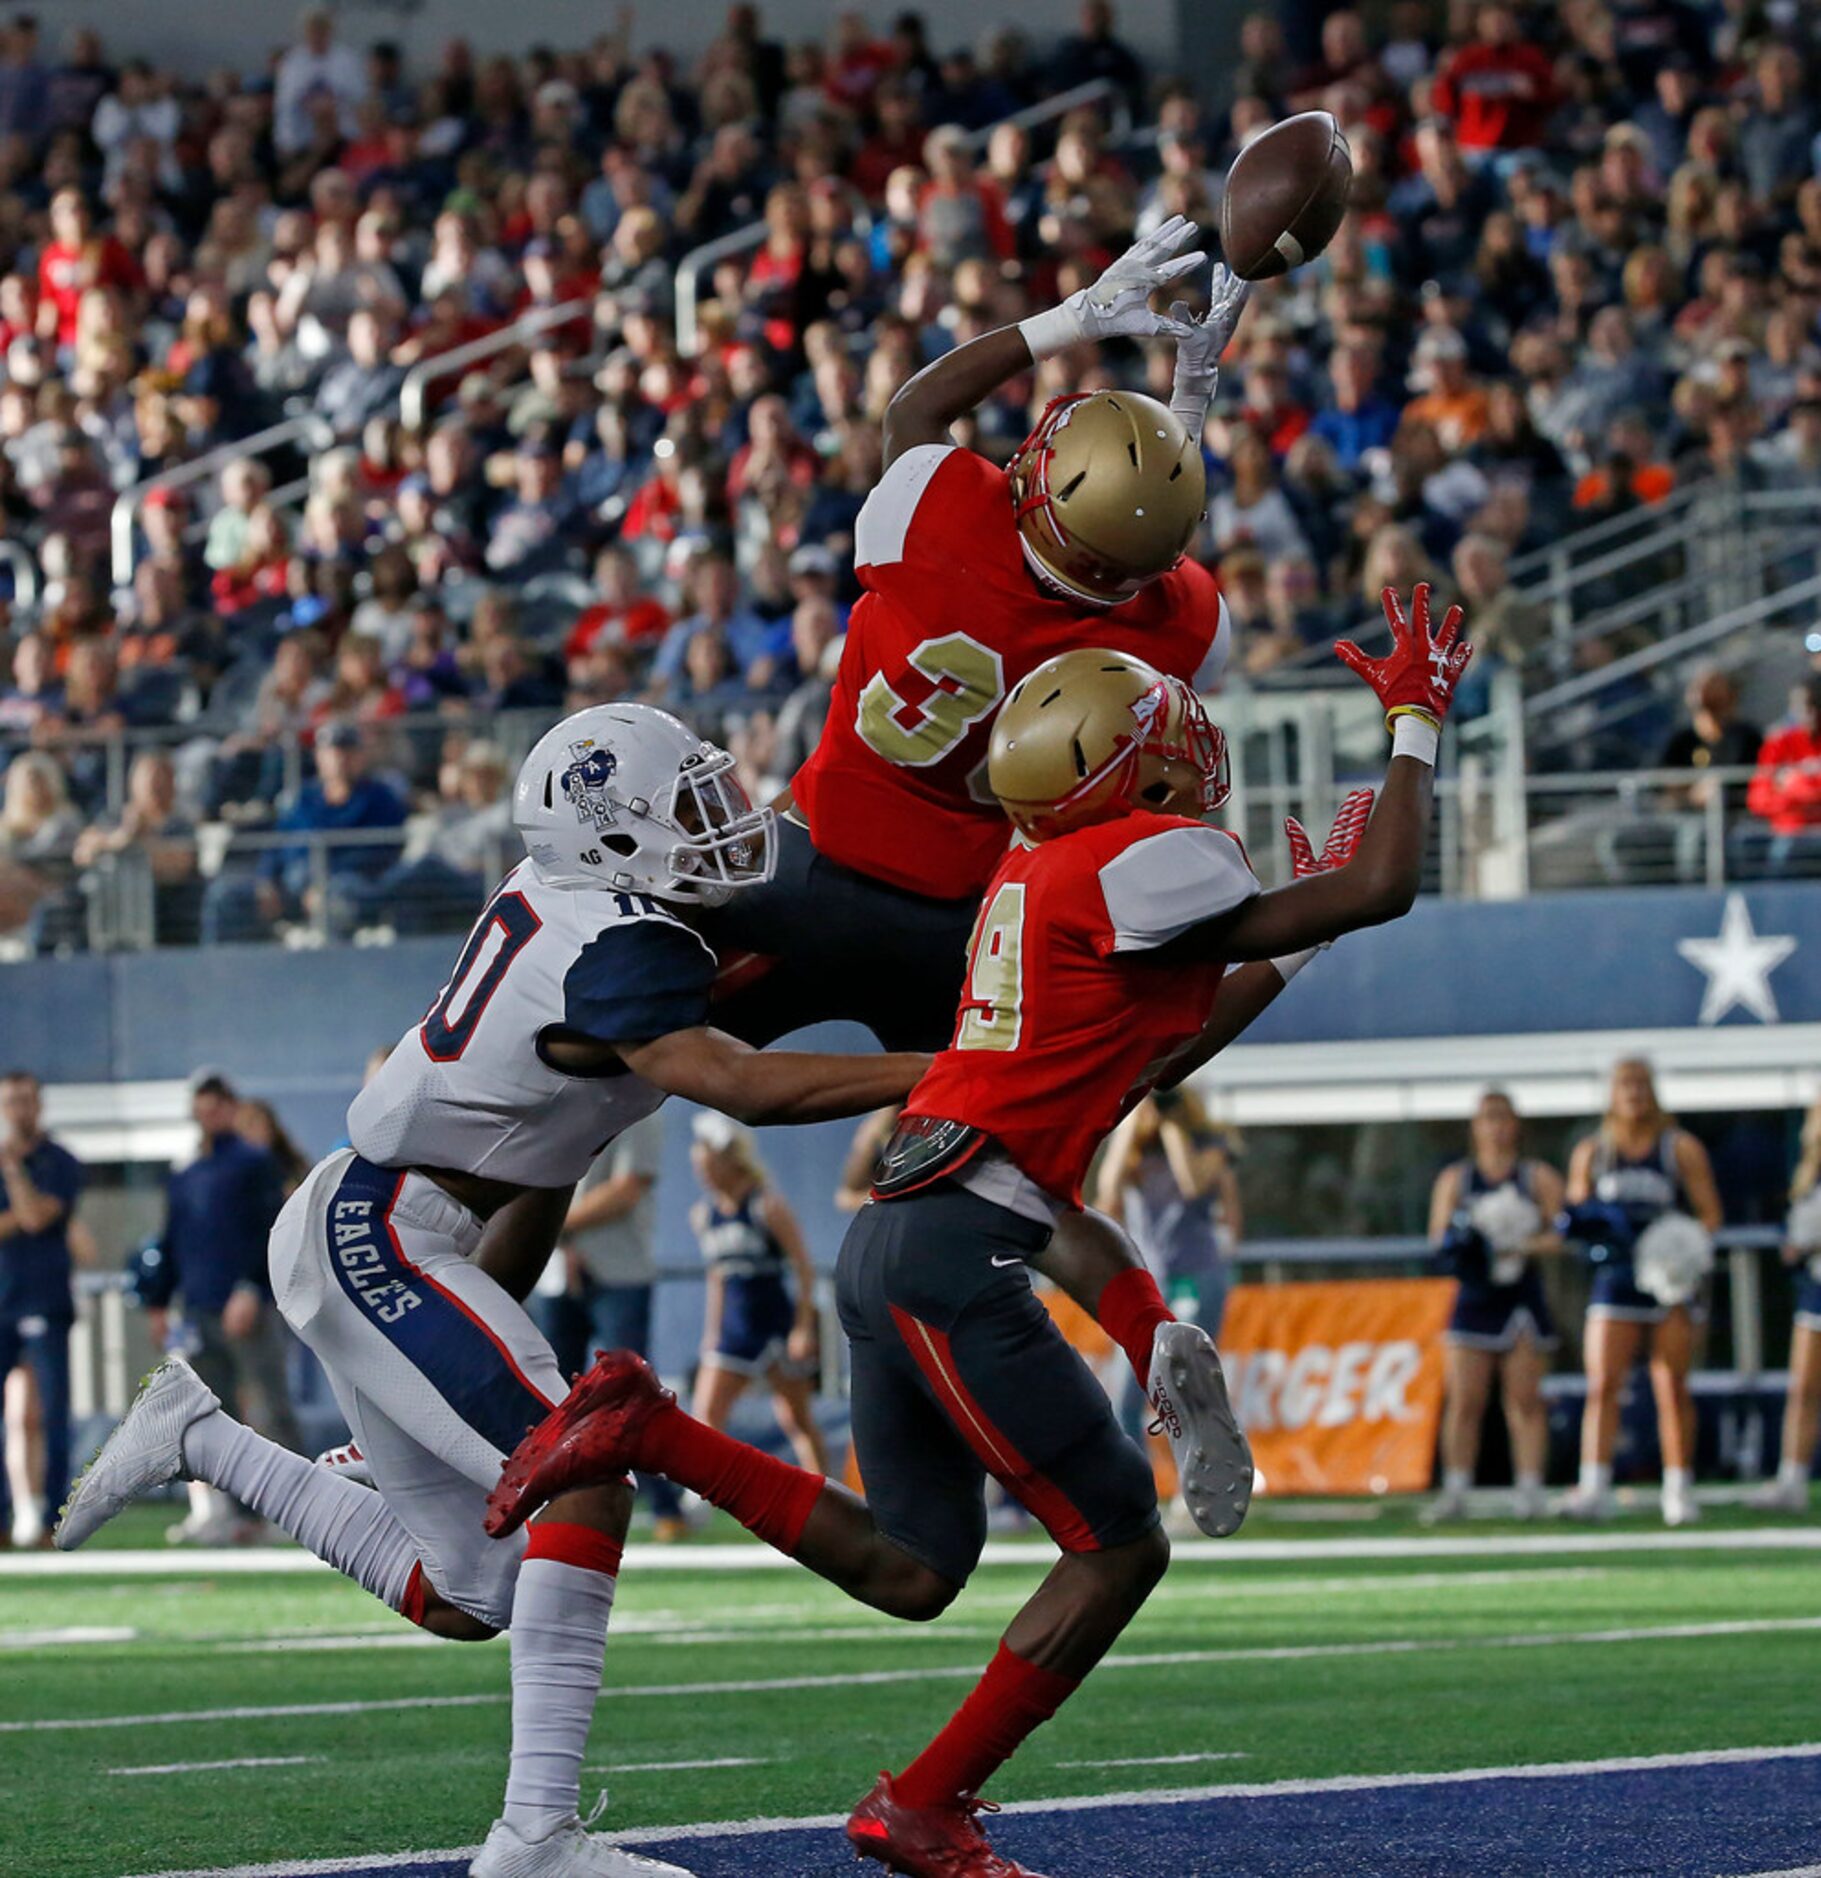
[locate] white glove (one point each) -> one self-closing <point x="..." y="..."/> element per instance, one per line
<point x="1118" y="304"/>
<point x="1198" y="354"/>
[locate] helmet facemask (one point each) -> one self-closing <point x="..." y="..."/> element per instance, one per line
<point x="723" y="843"/>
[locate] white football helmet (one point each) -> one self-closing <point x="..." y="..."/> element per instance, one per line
<point x="1672" y="1256"/>
<point x="628" y="799"/>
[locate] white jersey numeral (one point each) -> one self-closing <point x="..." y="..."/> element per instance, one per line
<point x="966" y="680"/>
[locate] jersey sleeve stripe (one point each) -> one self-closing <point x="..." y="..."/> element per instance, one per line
<point x="1167" y="883"/>
<point x="885" y="520"/>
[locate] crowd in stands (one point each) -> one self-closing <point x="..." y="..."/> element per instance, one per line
<point x="1583" y="268"/>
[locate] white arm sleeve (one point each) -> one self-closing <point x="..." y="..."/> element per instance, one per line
<point x="885" y="520"/>
<point x="1161" y="886"/>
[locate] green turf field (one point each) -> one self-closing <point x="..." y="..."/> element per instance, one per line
<point x="1245" y="1669"/>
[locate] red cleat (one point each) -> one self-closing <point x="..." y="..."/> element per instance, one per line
<point x="588" y="1439"/>
<point x="928" y="1841"/>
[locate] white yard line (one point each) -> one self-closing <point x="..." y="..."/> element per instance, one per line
<point x="1162" y="1760"/>
<point x="874" y="1678"/>
<point x="59" y="1639"/>
<point x="378" y="1863"/>
<point x="673" y="1767"/>
<point x="669" y="1560"/>
<point x="213" y="1767"/>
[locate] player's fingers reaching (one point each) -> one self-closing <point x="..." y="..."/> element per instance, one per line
<point x="1302" y="850"/>
<point x="1168" y="271"/>
<point x="1355" y="660"/>
<point x="1419" y="611"/>
<point x="1168" y="236"/>
<point x="1349" y="827"/>
<point x="1450" y="629"/>
<point x="1394" y="615"/>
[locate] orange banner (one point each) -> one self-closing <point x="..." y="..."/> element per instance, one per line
<point x="1339" y="1385"/>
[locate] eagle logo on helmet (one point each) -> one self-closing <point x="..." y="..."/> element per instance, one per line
<point x="585" y="782"/>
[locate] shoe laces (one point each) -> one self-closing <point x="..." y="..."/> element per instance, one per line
<point x="599" y="1807"/>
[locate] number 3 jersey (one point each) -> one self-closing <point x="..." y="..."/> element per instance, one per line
<point x="471" y="1087"/>
<point x="951" y="619"/>
<point x="1070" y="1015"/>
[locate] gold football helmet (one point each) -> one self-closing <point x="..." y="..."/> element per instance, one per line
<point x="1107" y="492"/>
<point x="1093" y="735"/>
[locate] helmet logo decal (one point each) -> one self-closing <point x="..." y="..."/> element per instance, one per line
<point x="585" y="782"/>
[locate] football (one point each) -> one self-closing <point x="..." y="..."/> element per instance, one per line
<point x="1285" y="196"/>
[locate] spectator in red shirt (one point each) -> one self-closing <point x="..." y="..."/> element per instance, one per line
<point x="1500" y="90"/>
<point x="75" y="259"/>
<point x="624" y="615"/>
<point x="1786" y="794"/>
<point x="897" y="139"/>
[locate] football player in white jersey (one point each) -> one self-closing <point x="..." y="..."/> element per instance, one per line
<point x="579" y="1001"/>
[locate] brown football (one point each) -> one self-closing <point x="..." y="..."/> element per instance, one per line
<point x="1286" y="194"/>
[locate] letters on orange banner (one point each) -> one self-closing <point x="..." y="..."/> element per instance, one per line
<point x="1339" y="1385"/>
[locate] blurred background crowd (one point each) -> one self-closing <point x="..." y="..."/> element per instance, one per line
<point x="1582" y="271"/>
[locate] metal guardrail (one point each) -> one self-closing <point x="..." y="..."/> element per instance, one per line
<point x="703" y="260"/>
<point x="310" y="429"/>
<point x="411" y="394"/>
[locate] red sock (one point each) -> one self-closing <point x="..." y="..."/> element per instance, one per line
<point x="769" y="1497"/>
<point x="1131" y="1308"/>
<point x="1011" y="1700"/>
<point x="570" y="1544"/>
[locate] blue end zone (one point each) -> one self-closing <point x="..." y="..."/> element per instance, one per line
<point x="1675" y="1822"/>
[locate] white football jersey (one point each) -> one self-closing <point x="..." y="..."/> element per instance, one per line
<point x="469" y="1088"/>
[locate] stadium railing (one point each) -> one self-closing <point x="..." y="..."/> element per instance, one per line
<point x="307" y="431"/>
<point x="413" y="394"/>
<point x="703" y="260"/>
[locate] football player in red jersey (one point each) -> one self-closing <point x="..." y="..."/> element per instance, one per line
<point x="974" y="576"/>
<point x="1094" y="975"/>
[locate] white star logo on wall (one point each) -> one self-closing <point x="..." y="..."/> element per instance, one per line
<point x="1738" y="965"/>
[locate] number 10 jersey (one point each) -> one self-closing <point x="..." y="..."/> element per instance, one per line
<point x="471" y="1088"/>
<point x="951" y="619"/>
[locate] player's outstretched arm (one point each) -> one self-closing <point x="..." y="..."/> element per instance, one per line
<point x="760" y="1086"/>
<point x="1249" y="990"/>
<point x="1415" y="682"/>
<point x="1117" y="305"/>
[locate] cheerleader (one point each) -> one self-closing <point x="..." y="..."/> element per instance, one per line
<point x="1632" y="1187"/>
<point x="1788" y="1493"/>
<point x="1488" y="1217"/>
<point x="753" y="1329"/>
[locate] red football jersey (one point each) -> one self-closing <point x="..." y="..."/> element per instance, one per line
<point x="950" y="621"/>
<point x="1066" y="1022"/>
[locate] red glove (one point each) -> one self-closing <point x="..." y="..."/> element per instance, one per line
<point x="1419" y="676"/>
<point x="1343" y="838"/>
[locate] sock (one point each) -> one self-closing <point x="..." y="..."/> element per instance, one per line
<point x="770" y="1498"/>
<point x="560" y="1609"/>
<point x="1529" y="1480"/>
<point x="1131" y="1307"/>
<point x="1009" y="1703"/>
<point x="347" y="1525"/>
<point x="1793" y="1474"/>
<point x="1456" y="1479"/>
<point x="1596" y="1476"/>
<point x="1678" y="1480"/>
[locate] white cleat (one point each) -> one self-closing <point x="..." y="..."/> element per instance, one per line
<point x="1590" y="1505"/>
<point x="348" y="1462"/>
<point x="1529" y="1502"/>
<point x="570" y="1851"/>
<point x="1680" y="1508"/>
<point x="1213" y="1457"/>
<point x="1774" y="1496"/>
<point x="145" y="1451"/>
<point x="1447" y="1506"/>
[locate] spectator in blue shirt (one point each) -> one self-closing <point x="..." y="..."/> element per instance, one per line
<point x="39" y="1184"/>
<point x="288" y="883"/>
<point x="758" y="648"/>
<point x="1357" y="419"/>
<point x="218" y="1214"/>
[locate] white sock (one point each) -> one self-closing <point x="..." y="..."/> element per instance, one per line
<point x="1678" y="1480"/>
<point x="1793" y="1474"/>
<point x="347" y="1525"/>
<point x="1456" y="1479"/>
<point x="1596" y="1476"/>
<point x="559" y="1635"/>
<point x="1529" y="1481"/>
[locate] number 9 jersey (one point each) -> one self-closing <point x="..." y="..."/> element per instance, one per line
<point x="951" y="619"/>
